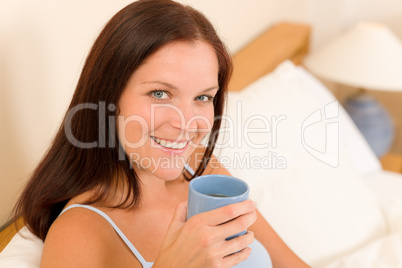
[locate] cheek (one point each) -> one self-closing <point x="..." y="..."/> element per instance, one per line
<point x="160" y="115"/>
<point x="205" y="122"/>
<point x="210" y="119"/>
<point x="132" y="127"/>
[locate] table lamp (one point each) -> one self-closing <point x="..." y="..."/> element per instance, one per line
<point x="368" y="57"/>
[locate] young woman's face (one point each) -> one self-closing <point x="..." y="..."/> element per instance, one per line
<point x="167" y="107"/>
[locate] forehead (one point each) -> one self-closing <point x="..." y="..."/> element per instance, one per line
<point x="189" y="49"/>
<point x="181" y="62"/>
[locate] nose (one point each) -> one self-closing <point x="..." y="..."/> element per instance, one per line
<point x="185" y="118"/>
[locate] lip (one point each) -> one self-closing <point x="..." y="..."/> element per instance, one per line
<point x="170" y="150"/>
<point x="181" y="141"/>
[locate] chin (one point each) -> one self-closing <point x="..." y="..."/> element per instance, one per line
<point x="167" y="174"/>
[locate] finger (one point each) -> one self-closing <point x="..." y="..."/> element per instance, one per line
<point x="180" y="213"/>
<point x="236" y="258"/>
<point x="237" y="225"/>
<point x="238" y="243"/>
<point x="179" y="216"/>
<point x="224" y="214"/>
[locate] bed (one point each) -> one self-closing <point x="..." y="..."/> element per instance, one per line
<point x="309" y="169"/>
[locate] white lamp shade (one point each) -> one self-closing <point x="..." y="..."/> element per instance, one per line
<point x="368" y="56"/>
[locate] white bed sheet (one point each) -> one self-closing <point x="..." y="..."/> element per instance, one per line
<point x="385" y="251"/>
<point x="386" y="184"/>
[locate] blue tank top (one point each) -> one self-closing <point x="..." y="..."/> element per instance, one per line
<point x="259" y="257"/>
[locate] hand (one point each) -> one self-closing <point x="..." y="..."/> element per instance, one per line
<point x="200" y="242"/>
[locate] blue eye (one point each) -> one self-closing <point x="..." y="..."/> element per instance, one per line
<point x="205" y="98"/>
<point x="159" y="94"/>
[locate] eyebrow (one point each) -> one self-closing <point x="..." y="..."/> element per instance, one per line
<point x="175" y="88"/>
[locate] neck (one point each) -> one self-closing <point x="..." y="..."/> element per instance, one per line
<point x="156" y="191"/>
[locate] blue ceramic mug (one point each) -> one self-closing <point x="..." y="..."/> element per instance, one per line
<point x="213" y="191"/>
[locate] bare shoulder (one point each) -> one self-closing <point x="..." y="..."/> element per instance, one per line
<point x="75" y="240"/>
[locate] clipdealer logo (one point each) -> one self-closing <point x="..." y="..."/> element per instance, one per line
<point x="255" y="125"/>
<point x="330" y="154"/>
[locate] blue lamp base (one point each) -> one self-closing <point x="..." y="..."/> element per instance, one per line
<point x="373" y="121"/>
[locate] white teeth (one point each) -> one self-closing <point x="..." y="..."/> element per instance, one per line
<point x="182" y="145"/>
<point x="170" y="145"/>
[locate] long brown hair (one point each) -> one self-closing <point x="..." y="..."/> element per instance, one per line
<point x="80" y="156"/>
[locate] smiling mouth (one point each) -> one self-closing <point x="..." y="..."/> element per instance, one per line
<point x="170" y="144"/>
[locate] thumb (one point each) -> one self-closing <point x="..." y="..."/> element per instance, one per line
<point x="179" y="216"/>
<point x="178" y="221"/>
<point x="180" y="213"/>
<point x="171" y="242"/>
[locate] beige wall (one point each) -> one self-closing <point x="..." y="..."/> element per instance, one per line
<point x="43" y="44"/>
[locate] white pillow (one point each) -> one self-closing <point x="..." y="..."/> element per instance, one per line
<point x="306" y="181"/>
<point x="23" y="251"/>
<point x="291" y="92"/>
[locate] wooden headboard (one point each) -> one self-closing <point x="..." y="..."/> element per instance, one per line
<point x="280" y="42"/>
<point x="261" y="56"/>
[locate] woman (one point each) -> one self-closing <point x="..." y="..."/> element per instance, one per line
<point x="112" y="189"/>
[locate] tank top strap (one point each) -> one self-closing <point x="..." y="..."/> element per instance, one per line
<point x="189" y="169"/>
<point x="117" y="229"/>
